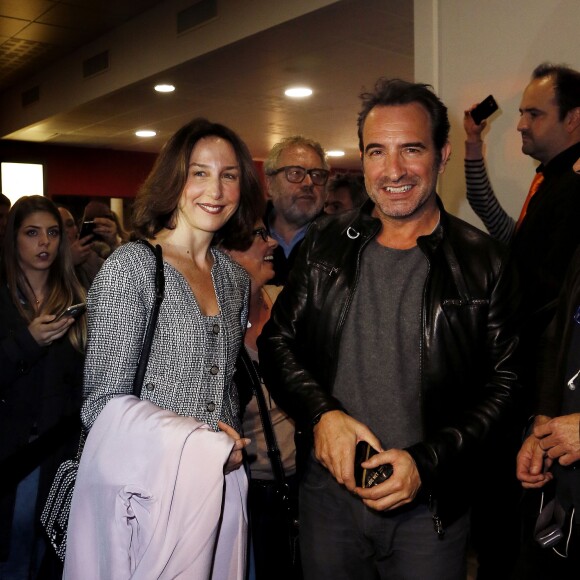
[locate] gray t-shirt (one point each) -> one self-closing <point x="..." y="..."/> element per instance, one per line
<point x="378" y="373"/>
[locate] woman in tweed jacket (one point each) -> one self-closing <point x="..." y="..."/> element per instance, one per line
<point x="203" y="188"/>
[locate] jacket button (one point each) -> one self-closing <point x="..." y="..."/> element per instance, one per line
<point x="150" y="386"/>
<point x="210" y="407"/>
<point x="216" y="329"/>
<point x="214" y="370"/>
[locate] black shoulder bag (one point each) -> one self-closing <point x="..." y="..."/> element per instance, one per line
<point x="282" y="489"/>
<point x="56" y="511"/>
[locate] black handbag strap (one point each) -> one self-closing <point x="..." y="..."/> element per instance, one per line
<point x="269" y="435"/>
<point x="159" y="294"/>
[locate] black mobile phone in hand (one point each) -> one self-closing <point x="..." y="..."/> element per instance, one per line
<point x="87" y="229"/>
<point x="75" y="311"/>
<point x="369" y="477"/>
<point x="484" y="109"/>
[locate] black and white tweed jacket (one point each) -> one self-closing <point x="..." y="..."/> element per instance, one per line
<point x="193" y="356"/>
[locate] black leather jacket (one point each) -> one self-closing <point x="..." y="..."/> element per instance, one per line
<point x="558" y="361"/>
<point x="468" y="369"/>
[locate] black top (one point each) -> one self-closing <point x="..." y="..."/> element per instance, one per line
<point x="558" y="363"/>
<point x="40" y="397"/>
<point x="550" y="233"/>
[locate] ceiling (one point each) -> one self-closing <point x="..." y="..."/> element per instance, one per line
<point x="339" y="50"/>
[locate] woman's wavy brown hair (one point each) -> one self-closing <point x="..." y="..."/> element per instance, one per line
<point x="156" y="203"/>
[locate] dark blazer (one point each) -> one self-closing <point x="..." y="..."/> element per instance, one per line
<point x="547" y="239"/>
<point x="559" y="359"/>
<point x="555" y="345"/>
<point x="468" y="368"/>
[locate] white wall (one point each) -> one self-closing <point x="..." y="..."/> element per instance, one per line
<point x="470" y="48"/>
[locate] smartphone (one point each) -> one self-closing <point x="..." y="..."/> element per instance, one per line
<point x="87" y="229"/>
<point x="484" y="110"/>
<point x="369" y="477"/>
<point x="75" y="310"/>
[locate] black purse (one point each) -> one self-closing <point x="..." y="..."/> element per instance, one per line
<point x="282" y="491"/>
<point x="54" y="517"/>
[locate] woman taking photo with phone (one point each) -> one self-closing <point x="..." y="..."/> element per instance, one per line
<point x="41" y="362"/>
<point x="203" y="187"/>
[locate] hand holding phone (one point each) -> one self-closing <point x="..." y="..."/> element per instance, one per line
<point x="75" y="311"/>
<point x="87" y="229"/>
<point x="369" y="477"/>
<point x="482" y="111"/>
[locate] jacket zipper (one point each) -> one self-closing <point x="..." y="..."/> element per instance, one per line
<point x="346" y="307"/>
<point x="437" y="523"/>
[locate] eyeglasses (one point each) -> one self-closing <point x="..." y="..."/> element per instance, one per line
<point x="297" y="174"/>
<point x="262" y="232"/>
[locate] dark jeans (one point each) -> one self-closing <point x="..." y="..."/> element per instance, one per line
<point x="274" y="555"/>
<point x="342" y="539"/>
<point x="495" y="514"/>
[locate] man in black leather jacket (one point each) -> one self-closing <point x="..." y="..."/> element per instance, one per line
<point x="396" y="327"/>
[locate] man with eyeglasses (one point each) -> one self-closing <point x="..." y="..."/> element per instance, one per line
<point x="396" y="329"/>
<point x="296" y="174"/>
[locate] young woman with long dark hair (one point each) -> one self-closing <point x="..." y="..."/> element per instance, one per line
<point x="41" y="362"/>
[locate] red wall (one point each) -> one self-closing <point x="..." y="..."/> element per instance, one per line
<point x="87" y="172"/>
<point x="82" y="171"/>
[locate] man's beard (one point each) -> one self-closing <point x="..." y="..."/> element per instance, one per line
<point x="300" y="217"/>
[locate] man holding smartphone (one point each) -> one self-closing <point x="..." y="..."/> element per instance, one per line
<point x="86" y="261"/>
<point x="546" y="234"/>
<point x="395" y="327"/>
<point x="542" y="242"/>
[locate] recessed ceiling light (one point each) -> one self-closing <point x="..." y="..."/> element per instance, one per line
<point x="164" y="88"/>
<point x="335" y="153"/>
<point x="298" y="92"/>
<point x="145" y="133"/>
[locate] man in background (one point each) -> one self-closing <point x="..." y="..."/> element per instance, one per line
<point x="345" y="191"/>
<point x="296" y="174"/>
<point x="86" y="261"/>
<point x="546" y="234"/>
<point x="549" y="458"/>
<point x="542" y="242"/>
<point x="107" y="236"/>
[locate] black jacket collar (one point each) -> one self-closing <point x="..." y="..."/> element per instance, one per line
<point x="562" y="162"/>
